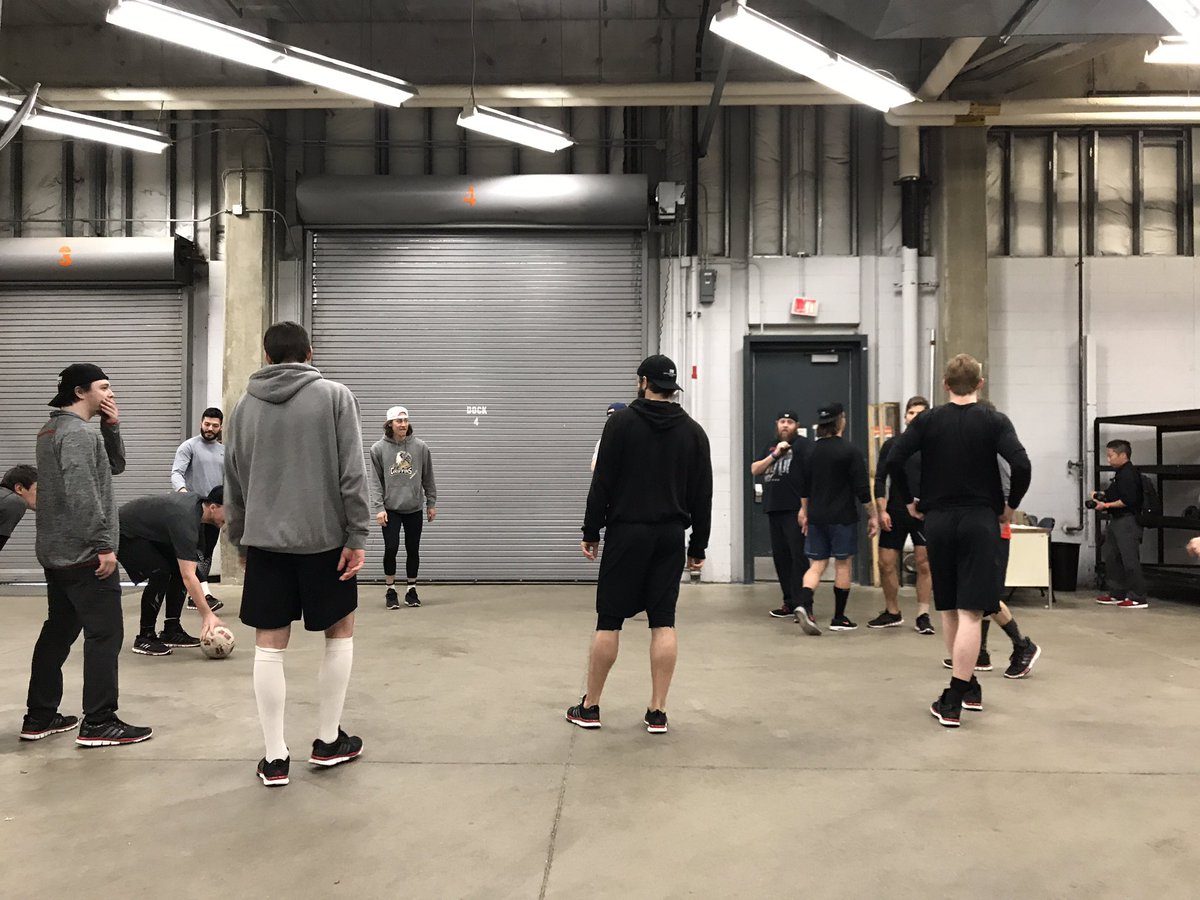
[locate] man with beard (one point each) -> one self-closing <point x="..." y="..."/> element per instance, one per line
<point x="199" y="467"/>
<point x="780" y="470"/>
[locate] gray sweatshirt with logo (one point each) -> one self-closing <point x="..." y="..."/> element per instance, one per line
<point x="76" y="515"/>
<point x="295" y="481"/>
<point x="199" y="465"/>
<point x="402" y="475"/>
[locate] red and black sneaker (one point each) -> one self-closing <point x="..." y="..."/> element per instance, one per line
<point x="111" y="733"/>
<point x="973" y="698"/>
<point x="584" y="716"/>
<point x="274" y="772"/>
<point x="783" y="612"/>
<point x="946" y="711"/>
<point x="656" y="721"/>
<point x="35" y="729"/>
<point x="1106" y="600"/>
<point x="334" y="753"/>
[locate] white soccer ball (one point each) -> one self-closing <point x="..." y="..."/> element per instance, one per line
<point x="218" y="643"/>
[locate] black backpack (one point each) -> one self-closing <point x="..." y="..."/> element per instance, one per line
<point x="1151" y="502"/>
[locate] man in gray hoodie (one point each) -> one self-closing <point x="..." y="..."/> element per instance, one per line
<point x="297" y="509"/>
<point x="77" y="535"/>
<point x="402" y="493"/>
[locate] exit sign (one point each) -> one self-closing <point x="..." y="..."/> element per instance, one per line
<point x="804" y="306"/>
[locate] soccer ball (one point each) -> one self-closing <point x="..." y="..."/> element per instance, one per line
<point x="218" y="643"/>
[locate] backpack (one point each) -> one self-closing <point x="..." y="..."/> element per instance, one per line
<point x="1151" y="502"/>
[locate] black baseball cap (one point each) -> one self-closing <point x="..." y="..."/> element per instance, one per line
<point x="660" y="371"/>
<point x="73" y="376"/>
<point x="216" y="495"/>
<point x="788" y="414"/>
<point x="829" y="413"/>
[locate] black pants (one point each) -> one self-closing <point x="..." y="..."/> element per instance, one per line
<point x="78" y="600"/>
<point x="211" y="534"/>
<point x="1122" y="559"/>
<point x="411" y="523"/>
<point x="157" y="565"/>
<point x="787" y="549"/>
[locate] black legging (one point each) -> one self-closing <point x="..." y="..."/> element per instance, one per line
<point x="210" y="533"/>
<point x="156" y="563"/>
<point x="411" y="523"/>
<point x="787" y="548"/>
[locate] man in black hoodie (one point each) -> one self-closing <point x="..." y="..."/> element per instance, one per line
<point x="653" y="480"/>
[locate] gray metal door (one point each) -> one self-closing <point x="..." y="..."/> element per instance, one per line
<point x="506" y="347"/>
<point x="137" y="336"/>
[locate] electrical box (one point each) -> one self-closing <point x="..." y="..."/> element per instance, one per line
<point x="708" y="286"/>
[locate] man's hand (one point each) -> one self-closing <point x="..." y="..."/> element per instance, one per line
<point x="1006" y="516"/>
<point x="802" y="519"/>
<point x="242" y="561"/>
<point x="781" y="448"/>
<point x="431" y="514"/>
<point x="885" y="520"/>
<point x="590" y="549"/>
<point x="873" y="526"/>
<point x="694" y="565"/>
<point x="350" y="562"/>
<point x="109" y="414"/>
<point x="107" y="564"/>
<point x="381" y="518"/>
<point x="208" y="623"/>
<point x="915" y="513"/>
<point x="1193" y="546"/>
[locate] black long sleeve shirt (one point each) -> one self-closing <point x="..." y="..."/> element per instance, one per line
<point x="654" y="467"/>
<point x="892" y="491"/>
<point x="835" y="482"/>
<point x="959" y="444"/>
<point x="1126" y="486"/>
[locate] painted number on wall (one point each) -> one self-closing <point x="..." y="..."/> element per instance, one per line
<point x="476" y="411"/>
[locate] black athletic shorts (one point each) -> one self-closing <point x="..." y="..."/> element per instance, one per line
<point x="280" y="587"/>
<point x="963" y="557"/>
<point x="903" y="525"/>
<point x="142" y="558"/>
<point x="639" y="571"/>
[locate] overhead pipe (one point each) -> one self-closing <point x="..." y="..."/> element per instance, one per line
<point x="1058" y="111"/>
<point x="910" y="228"/>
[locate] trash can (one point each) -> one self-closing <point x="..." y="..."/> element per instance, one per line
<point x="1064" y="566"/>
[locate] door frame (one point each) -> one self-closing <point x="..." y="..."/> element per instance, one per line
<point x="856" y="345"/>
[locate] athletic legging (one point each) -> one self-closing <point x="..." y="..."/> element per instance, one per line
<point x="164" y="586"/>
<point x="411" y="523"/>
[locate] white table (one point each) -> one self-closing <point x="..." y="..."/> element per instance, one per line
<point x="1029" y="559"/>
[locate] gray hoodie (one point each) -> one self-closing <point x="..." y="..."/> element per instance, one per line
<point x="402" y="472"/>
<point x="295" y="481"/>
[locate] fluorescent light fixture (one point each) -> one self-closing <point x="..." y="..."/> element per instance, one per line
<point x="1183" y="15"/>
<point x="91" y="128"/>
<point x="1175" y="51"/>
<point x="760" y="34"/>
<point x="513" y="128"/>
<point x="198" y="33"/>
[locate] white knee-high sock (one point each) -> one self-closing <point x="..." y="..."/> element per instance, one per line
<point x="205" y="589"/>
<point x="270" y="690"/>
<point x="331" y="685"/>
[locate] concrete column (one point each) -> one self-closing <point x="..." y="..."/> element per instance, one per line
<point x="960" y="208"/>
<point x="247" y="300"/>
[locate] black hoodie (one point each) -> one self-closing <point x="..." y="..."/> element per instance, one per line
<point x="654" y="467"/>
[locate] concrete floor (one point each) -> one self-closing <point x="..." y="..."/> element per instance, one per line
<point x="795" y="766"/>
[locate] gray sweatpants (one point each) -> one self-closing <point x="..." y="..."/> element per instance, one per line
<point x="1122" y="559"/>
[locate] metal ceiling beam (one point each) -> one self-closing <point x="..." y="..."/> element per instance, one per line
<point x="1045" y="64"/>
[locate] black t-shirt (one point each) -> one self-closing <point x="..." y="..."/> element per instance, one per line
<point x="959" y="444"/>
<point x="166" y="519"/>
<point x="892" y="491"/>
<point x="835" y="482"/>
<point x="1126" y="486"/>
<point x="781" y="482"/>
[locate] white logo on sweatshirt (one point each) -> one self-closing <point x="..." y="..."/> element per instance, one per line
<point x="403" y="465"/>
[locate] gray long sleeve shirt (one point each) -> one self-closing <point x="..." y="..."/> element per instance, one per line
<point x="199" y="466"/>
<point x="77" y="515"/>
<point x="402" y="475"/>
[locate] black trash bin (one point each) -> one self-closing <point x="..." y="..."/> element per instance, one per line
<point x="1064" y="566"/>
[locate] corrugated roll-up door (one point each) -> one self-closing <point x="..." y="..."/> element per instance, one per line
<point x="506" y="347"/>
<point x="137" y="336"/>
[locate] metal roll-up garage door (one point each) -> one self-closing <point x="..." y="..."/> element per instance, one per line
<point x="137" y="336"/>
<point x="506" y="347"/>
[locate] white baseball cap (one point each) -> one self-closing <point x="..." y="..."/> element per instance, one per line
<point x="395" y="412"/>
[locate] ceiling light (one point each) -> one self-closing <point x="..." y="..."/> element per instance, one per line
<point x="1183" y="15"/>
<point x="1175" y="51"/>
<point x="92" y="128"/>
<point x="513" y="128"/>
<point x="759" y="34"/>
<point x="198" y="33"/>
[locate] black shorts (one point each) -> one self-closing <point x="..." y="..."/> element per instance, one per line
<point x="964" y="557"/>
<point x="142" y="558"/>
<point x="639" y="571"/>
<point x="280" y="587"/>
<point x="903" y="526"/>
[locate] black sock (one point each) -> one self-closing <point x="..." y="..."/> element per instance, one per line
<point x="958" y="689"/>
<point x="806" y="599"/>
<point x="840" y="597"/>
<point x="1014" y="634"/>
<point x="983" y="630"/>
<point x="172" y="625"/>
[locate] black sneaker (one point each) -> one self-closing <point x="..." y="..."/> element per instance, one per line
<point x="924" y="626"/>
<point x="1020" y="664"/>
<point x="945" y="711"/>
<point x="886" y="620"/>
<point x="35" y="729"/>
<point x="973" y="698"/>
<point x="656" y="721"/>
<point x="150" y="645"/>
<point x="841" y="623"/>
<point x="411" y="598"/>
<point x="178" y="638"/>
<point x="983" y="664"/>
<point x="784" y="612"/>
<point x="804" y="618"/>
<point x="392" y="599"/>
<point x="274" y="773"/>
<point x="344" y="749"/>
<point x="584" y="716"/>
<point x="111" y="733"/>
<point x="213" y="603"/>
